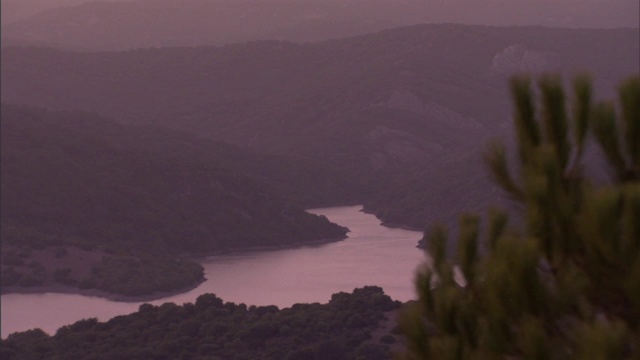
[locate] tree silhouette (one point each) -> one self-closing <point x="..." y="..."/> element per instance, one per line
<point x="566" y="282"/>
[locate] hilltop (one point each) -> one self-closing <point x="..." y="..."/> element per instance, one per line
<point x="393" y="112"/>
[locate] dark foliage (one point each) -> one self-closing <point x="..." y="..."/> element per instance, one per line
<point x="565" y="283"/>
<point x="75" y="179"/>
<point x="212" y="329"/>
<point x="142" y="275"/>
<point x="70" y="178"/>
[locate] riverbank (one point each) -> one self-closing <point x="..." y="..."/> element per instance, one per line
<point x="393" y="225"/>
<point x="248" y="249"/>
<point x="80" y="262"/>
<point x="306" y="273"/>
<point x="354" y="324"/>
<point x="64" y="289"/>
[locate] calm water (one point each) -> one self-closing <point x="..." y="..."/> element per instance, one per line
<point x="372" y="255"/>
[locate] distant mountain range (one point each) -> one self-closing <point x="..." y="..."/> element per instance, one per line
<point x="114" y="209"/>
<point x="117" y="25"/>
<point x="391" y="112"/>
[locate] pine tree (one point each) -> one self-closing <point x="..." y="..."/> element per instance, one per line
<point x="565" y="283"/>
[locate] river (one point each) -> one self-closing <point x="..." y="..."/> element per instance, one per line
<point x="371" y="255"/>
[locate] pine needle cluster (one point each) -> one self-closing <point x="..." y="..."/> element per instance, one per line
<point x="564" y="284"/>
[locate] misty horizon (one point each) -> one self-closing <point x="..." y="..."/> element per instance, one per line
<point x="618" y="13"/>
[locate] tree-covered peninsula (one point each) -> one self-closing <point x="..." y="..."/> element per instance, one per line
<point x="88" y="203"/>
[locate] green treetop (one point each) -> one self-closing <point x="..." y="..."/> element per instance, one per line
<point x="566" y="283"/>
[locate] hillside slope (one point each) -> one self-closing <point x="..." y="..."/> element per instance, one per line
<point x="212" y="329"/>
<point x="130" y="197"/>
<point x="64" y="175"/>
<point x="280" y="96"/>
<point x="380" y="108"/>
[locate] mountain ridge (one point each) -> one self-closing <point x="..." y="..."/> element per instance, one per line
<point x="133" y="24"/>
<point x="379" y="108"/>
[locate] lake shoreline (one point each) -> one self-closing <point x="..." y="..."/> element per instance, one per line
<point x="367" y="210"/>
<point x="64" y="289"/>
<point x="303" y="273"/>
<point x="259" y="248"/>
<point x="58" y="288"/>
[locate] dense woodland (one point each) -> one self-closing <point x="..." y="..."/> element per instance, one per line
<point x="118" y="189"/>
<point x="399" y="114"/>
<point x="75" y="179"/>
<point x="344" y="328"/>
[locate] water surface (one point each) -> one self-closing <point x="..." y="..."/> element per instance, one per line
<point x="372" y="255"/>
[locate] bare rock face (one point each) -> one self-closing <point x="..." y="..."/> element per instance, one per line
<point x="517" y="58"/>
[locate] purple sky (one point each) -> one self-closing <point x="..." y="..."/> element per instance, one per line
<point x="623" y="11"/>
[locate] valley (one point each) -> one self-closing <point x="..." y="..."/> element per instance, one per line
<point x="243" y="179"/>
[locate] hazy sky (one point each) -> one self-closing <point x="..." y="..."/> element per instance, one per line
<point x="16" y="9"/>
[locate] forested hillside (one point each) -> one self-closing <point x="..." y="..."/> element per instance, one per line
<point x="212" y="329"/>
<point x="75" y="179"/>
<point x="392" y="112"/>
